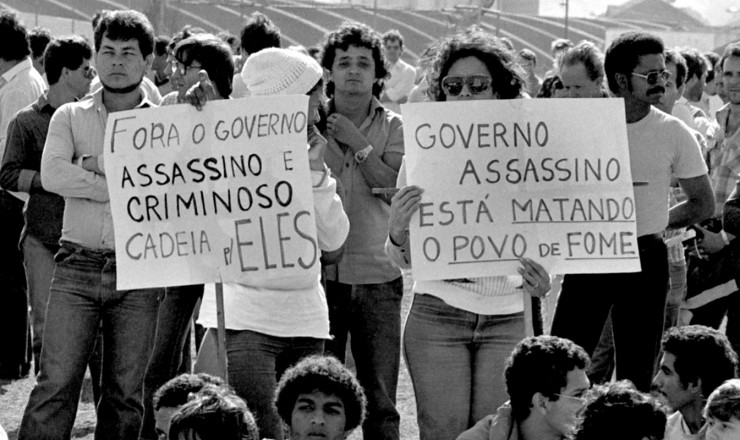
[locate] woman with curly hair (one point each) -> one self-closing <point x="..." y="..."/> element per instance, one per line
<point x="459" y="332"/>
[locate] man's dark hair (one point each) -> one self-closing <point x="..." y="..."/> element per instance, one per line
<point x="326" y="375"/>
<point x="589" y="55"/>
<point x="623" y="55"/>
<point x="506" y="74"/>
<point x="701" y="353"/>
<point x="63" y="52"/>
<point x="259" y="33"/>
<point x="13" y="36"/>
<point x="549" y="86"/>
<point x="620" y="412"/>
<point x="732" y="50"/>
<point x="214" y="413"/>
<point x="713" y="59"/>
<point x="213" y="54"/>
<point x="161" y="42"/>
<point x="393" y="35"/>
<point x="359" y="35"/>
<point x="175" y="392"/>
<point x="696" y="64"/>
<point x="95" y="20"/>
<point x="672" y="56"/>
<point x="540" y="364"/>
<point x="38" y="38"/>
<point x="124" y="26"/>
<point x="187" y="31"/>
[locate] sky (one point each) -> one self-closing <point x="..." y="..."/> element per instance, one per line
<point x="717" y="12"/>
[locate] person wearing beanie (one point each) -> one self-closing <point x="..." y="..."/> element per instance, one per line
<point x="271" y="327"/>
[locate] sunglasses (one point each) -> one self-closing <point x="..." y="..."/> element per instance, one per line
<point x="182" y="68"/>
<point x="652" y="78"/>
<point x="453" y="85"/>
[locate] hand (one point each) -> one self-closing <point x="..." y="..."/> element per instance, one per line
<point x="201" y="92"/>
<point x="710" y="242"/>
<point x="535" y="279"/>
<point x="91" y="164"/>
<point x="403" y="205"/>
<point x="344" y="131"/>
<point x="316" y="150"/>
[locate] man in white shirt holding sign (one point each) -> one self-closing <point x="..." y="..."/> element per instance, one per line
<point x="661" y="148"/>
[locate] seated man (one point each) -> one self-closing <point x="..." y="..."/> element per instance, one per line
<point x="546" y="380"/>
<point x="171" y="396"/>
<point x="723" y="412"/>
<point x="214" y="413"/>
<point x="320" y="397"/>
<point x="620" y="412"/>
<point x="696" y="359"/>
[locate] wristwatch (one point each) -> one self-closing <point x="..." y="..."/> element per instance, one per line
<point x="361" y="156"/>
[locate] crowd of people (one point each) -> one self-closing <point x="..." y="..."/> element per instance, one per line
<point x="474" y="374"/>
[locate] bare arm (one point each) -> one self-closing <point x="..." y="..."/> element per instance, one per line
<point x="698" y="206"/>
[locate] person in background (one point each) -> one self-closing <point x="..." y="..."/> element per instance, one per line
<point x="214" y="413"/>
<point x="722" y="412"/>
<point x="528" y="60"/>
<point x="257" y="34"/>
<point x="38" y="38"/>
<point x="159" y="73"/>
<point x="582" y="71"/>
<point x="402" y="74"/>
<point x="557" y="48"/>
<point x="710" y="101"/>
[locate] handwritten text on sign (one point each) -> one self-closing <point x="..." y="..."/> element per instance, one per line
<point x="222" y="194"/>
<point x="544" y="179"/>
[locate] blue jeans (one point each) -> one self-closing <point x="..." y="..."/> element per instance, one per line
<point x="256" y="362"/>
<point x="456" y="361"/>
<point x="83" y="294"/>
<point x="637" y="305"/>
<point x="371" y="313"/>
<point x="173" y="329"/>
<point x="39" y="262"/>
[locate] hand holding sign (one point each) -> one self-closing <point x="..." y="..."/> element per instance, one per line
<point x="316" y="150"/>
<point x="535" y="279"/>
<point x="403" y="205"/>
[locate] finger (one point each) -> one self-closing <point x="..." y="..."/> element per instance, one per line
<point x="535" y="267"/>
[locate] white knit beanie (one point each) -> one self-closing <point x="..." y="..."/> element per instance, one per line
<point x="277" y="71"/>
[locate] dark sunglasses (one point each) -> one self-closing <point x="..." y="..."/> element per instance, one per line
<point x="652" y="78"/>
<point x="453" y="85"/>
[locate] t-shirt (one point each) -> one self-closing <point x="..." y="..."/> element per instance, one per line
<point x="676" y="429"/>
<point x="661" y="147"/>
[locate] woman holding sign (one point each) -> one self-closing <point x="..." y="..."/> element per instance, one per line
<point x="460" y="332"/>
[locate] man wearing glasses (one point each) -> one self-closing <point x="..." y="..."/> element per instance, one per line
<point x="661" y="149"/>
<point x="546" y="380"/>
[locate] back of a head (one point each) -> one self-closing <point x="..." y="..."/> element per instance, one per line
<point x="701" y="353"/>
<point x="696" y="64"/>
<point x="540" y="365"/>
<point x="38" y="38"/>
<point x="674" y="57"/>
<point x="620" y="412"/>
<point x="327" y="375"/>
<point x="13" y="35"/>
<point x="214" y="413"/>
<point x="624" y="53"/>
<point x="176" y="391"/>
<point x="213" y="54"/>
<point x="589" y="55"/>
<point x="259" y="33"/>
<point x="124" y="26"/>
<point x="161" y="42"/>
<point x="724" y="402"/>
<point x="69" y="52"/>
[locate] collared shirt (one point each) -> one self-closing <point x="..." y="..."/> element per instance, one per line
<point x="401" y="81"/>
<point x="20" y="171"/>
<point x="21" y="86"/>
<point x="78" y="129"/>
<point x="364" y="260"/>
<point x="724" y="160"/>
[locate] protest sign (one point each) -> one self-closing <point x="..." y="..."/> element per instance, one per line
<point x="218" y="195"/>
<point x="503" y="179"/>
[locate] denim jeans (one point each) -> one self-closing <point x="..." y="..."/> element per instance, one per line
<point x="83" y="294"/>
<point x="39" y="262"/>
<point x="14" y="330"/>
<point x="456" y="361"/>
<point x="371" y="313"/>
<point x="637" y="304"/>
<point x="256" y="362"/>
<point x="173" y="329"/>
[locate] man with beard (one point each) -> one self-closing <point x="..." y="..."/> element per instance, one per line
<point x="696" y="360"/>
<point x="83" y="291"/>
<point x="661" y="149"/>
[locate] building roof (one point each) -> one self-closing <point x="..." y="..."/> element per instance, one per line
<point x="655" y="11"/>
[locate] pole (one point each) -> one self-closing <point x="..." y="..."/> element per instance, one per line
<point x="221" y="334"/>
<point x="566" y="18"/>
<point x="528" y="322"/>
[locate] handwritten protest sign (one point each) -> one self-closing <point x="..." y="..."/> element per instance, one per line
<point x="544" y="179"/>
<point x="222" y="194"/>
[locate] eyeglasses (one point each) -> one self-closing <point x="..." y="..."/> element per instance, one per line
<point x="653" y="77"/>
<point x="453" y="85"/>
<point x="581" y="400"/>
<point x="182" y="68"/>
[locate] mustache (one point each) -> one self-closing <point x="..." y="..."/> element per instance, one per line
<point x="654" y="90"/>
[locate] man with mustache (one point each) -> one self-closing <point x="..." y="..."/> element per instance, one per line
<point x="661" y="149"/>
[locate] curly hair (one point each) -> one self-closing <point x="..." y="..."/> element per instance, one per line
<point x="214" y="413"/>
<point x="724" y="402"/>
<point x="13" y="34"/>
<point x="701" y="353"/>
<point x="327" y="375"/>
<point x="540" y="364"/>
<point x="508" y="76"/>
<point x="175" y="391"/>
<point x="259" y="33"/>
<point x="624" y="53"/>
<point x="359" y="35"/>
<point x="620" y="412"/>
